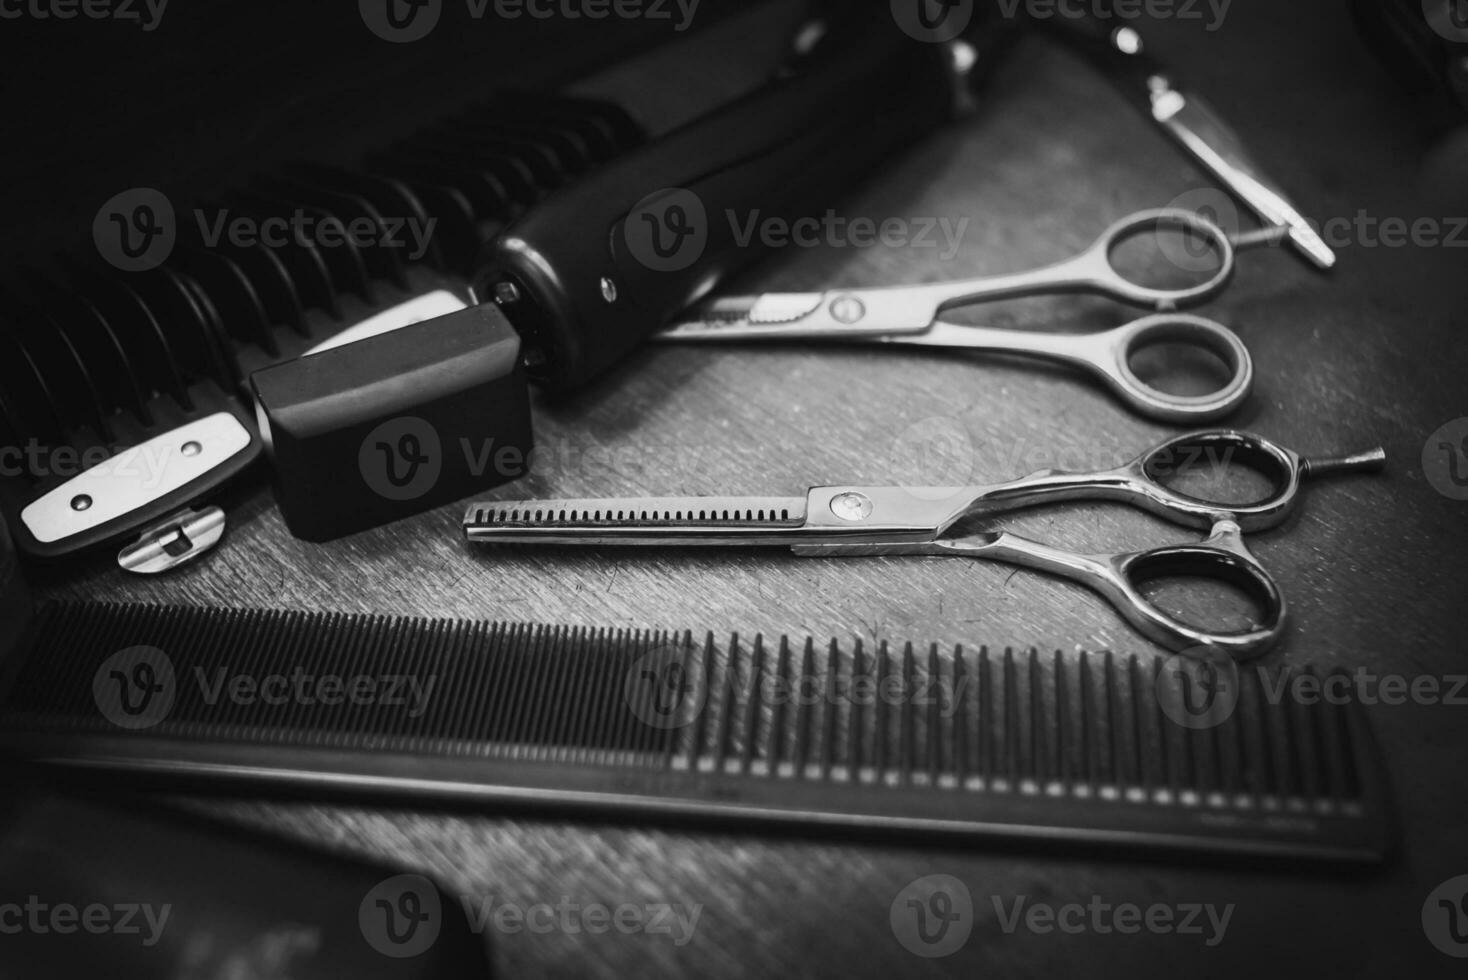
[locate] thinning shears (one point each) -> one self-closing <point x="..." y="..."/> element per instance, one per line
<point x="911" y="316"/>
<point x="872" y="521"/>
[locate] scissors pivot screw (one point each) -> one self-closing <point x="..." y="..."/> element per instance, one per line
<point x="847" y="309"/>
<point x="852" y="506"/>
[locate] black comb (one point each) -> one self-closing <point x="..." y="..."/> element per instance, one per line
<point x="1080" y="749"/>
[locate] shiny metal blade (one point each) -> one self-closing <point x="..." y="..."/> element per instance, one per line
<point x="744" y="317"/>
<point x="1203" y="134"/>
<point x="642" y="520"/>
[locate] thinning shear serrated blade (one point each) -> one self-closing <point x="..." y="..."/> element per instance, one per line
<point x="645" y="520"/>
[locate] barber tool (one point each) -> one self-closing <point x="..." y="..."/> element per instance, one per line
<point x="973" y="745"/>
<point x="595" y="270"/>
<point x="835" y="522"/>
<point x="1122" y="56"/>
<point x="125" y="395"/>
<point x="911" y="316"/>
<point x="395" y="424"/>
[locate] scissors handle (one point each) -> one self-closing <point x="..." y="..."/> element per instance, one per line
<point x="1145" y="482"/>
<point x="1120" y="579"/>
<point x="1109" y="355"/>
<point x="1095" y="271"/>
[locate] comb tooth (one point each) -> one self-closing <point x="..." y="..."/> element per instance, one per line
<point x="727" y="689"/>
<point x="1220" y="773"/>
<point x="496" y="689"/>
<point x="908" y="736"/>
<point x="546" y="707"/>
<point x="1322" y="785"/>
<point x="1288" y="777"/>
<point x="1355" y="738"/>
<point x="590" y="726"/>
<point x="575" y="695"/>
<point x="642" y="736"/>
<point x="1088" y="765"/>
<point x="859" y="723"/>
<point x="1113" y="772"/>
<point x="1062" y="722"/>
<point x="1161" y="725"/>
<point x="779" y="740"/>
<point x="1335" y="735"/>
<point x="1010" y="694"/>
<point x="1140" y="777"/>
<point x="627" y="723"/>
<point x="691" y="695"/>
<point x="935" y="717"/>
<point x="1244" y="772"/>
<point x="882" y="727"/>
<point x="1036" y="774"/>
<point x="830" y="712"/>
<point x="1302" y="735"/>
<point x="986" y="718"/>
<point x="753" y="705"/>
<point x="526" y="688"/>
<point x="455" y="715"/>
<point x="803" y="712"/>
<point x="521" y="665"/>
<point x="700" y="727"/>
<point x="1263" y="753"/>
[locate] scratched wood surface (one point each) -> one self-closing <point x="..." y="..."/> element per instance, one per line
<point x="1374" y="567"/>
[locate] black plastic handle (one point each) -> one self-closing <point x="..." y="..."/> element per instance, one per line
<point x="580" y="285"/>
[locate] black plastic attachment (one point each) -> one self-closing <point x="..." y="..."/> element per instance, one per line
<point x="605" y="262"/>
<point x="396" y="424"/>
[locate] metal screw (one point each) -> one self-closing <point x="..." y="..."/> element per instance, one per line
<point x="847" y="309"/>
<point x="851" y="506"/>
<point x="191" y="448"/>
<point x="608" y="290"/>
<point x="506" y="293"/>
<point x="81" y="501"/>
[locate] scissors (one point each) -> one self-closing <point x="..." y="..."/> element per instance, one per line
<point x="911" y="316"/>
<point x="870" y="521"/>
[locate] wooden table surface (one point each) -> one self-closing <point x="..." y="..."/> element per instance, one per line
<point x="1374" y="567"/>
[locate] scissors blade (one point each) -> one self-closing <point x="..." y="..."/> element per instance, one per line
<point x="841" y="314"/>
<point x="1202" y="132"/>
<point x="744" y="317"/>
<point x="638" y="521"/>
<point x="833" y="515"/>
